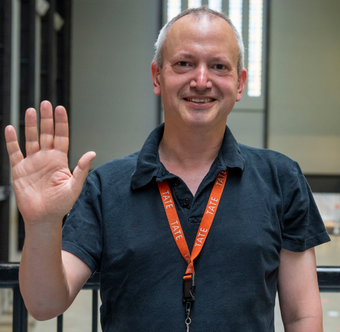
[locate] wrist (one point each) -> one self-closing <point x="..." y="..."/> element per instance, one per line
<point x="43" y="234"/>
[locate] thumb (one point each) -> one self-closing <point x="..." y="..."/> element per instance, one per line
<point x="82" y="169"/>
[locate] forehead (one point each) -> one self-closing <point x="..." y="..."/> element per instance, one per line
<point x="205" y="33"/>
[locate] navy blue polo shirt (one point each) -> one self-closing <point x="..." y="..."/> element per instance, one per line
<point x="118" y="226"/>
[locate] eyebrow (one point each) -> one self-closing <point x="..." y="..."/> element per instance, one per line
<point x="214" y="58"/>
<point x="185" y="55"/>
<point x="220" y="58"/>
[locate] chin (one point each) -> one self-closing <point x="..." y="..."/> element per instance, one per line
<point x="202" y="122"/>
<point x="204" y="118"/>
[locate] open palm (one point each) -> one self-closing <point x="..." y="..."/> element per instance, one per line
<point x="44" y="187"/>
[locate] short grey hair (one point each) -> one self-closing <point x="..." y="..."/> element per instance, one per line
<point x="200" y="12"/>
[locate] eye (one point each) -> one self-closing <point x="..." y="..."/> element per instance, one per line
<point x="183" y="63"/>
<point x="182" y="67"/>
<point x="219" y="67"/>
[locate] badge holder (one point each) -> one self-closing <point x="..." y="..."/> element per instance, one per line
<point x="188" y="296"/>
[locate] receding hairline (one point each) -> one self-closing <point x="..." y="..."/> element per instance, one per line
<point x="198" y="17"/>
<point x="198" y="13"/>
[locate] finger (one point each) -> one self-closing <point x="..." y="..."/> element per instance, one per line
<point x="46" y="125"/>
<point x="31" y="132"/>
<point x="82" y="169"/>
<point x="61" y="140"/>
<point x="13" y="149"/>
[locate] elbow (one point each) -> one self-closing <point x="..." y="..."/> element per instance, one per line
<point x="311" y="323"/>
<point x="42" y="312"/>
<point x="41" y="316"/>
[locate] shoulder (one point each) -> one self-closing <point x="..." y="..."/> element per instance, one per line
<point x="118" y="165"/>
<point x="115" y="171"/>
<point x="265" y="158"/>
<point x="271" y="167"/>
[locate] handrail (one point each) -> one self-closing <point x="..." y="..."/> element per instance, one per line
<point x="9" y="277"/>
<point x="328" y="279"/>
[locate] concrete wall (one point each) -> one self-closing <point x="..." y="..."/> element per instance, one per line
<point x="304" y="83"/>
<point x="113" y="105"/>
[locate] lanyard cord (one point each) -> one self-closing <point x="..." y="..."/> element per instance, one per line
<point x="177" y="231"/>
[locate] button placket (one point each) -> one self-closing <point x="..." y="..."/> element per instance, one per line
<point x="181" y="195"/>
<point x="185" y="202"/>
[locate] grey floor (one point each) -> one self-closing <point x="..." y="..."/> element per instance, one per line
<point x="78" y="317"/>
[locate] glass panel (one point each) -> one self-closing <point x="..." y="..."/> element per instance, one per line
<point x="215" y="5"/>
<point x="174" y="8"/>
<point x="255" y="48"/>
<point x="194" y="3"/>
<point x="235" y="13"/>
<point x="329" y="208"/>
<point x="331" y="311"/>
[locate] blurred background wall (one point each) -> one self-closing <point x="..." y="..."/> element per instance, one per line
<point x="112" y="101"/>
<point x="304" y="83"/>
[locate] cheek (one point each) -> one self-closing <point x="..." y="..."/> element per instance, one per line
<point x="170" y="89"/>
<point x="229" y="88"/>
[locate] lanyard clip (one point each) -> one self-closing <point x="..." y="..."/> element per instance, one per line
<point x="189" y="287"/>
<point x="187" y="314"/>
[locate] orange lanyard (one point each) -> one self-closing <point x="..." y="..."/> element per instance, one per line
<point x="177" y="232"/>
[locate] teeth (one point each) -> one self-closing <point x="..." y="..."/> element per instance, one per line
<point x="194" y="100"/>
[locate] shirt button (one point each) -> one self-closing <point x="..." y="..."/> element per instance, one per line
<point x="176" y="182"/>
<point x="185" y="202"/>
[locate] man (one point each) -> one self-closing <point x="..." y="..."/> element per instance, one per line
<point x="246" y="214"/>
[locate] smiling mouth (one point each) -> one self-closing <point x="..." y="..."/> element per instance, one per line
<point x="195" y="100"/>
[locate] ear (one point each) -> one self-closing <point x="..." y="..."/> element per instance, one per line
<point x="242" y="80"/>
<point x="155" y="72"/>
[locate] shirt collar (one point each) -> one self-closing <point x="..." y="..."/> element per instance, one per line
<point x="148" y="165"/>
<point x="230" y="154"/>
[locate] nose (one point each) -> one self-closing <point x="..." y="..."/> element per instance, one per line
<point x="201" y="80"/>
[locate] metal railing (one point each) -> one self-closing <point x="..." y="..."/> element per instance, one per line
<point x="328" y="278"/>
<point x="4" y="192"/>
<point x="9" y="280"/>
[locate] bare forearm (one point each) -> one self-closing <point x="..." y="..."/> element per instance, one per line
<point x="42" y="278"/>
<point x="308" y="324"/>
<point x="299" y="295"/>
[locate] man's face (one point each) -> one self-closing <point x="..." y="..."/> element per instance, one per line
<point x="198" y="81"/>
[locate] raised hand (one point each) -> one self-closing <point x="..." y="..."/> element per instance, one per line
<point x="44" y="187"/>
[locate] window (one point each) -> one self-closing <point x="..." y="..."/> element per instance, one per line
<point x="194" y="3"/>
<point x="255" y="48"/>
<point x="173" y="8"/>
<point x="215" y="5"/>
<point x="235" y="13"/>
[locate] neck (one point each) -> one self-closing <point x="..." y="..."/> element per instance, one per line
<point x="190" y="154"/>
<point x="187" y="148"/>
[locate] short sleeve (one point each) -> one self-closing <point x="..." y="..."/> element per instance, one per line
<point x="82" y="229"/>
<point x="302" y="225"/>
